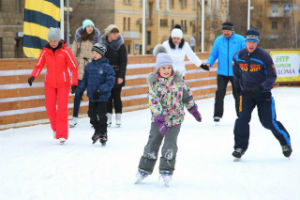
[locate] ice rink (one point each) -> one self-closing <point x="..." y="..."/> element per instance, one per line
<point x="35" y="167"/>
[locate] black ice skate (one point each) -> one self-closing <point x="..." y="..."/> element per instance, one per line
<point x="286" y="150"/>
<point x="95" y="138"/>
<point x="217" y="119"/>
<point x="103" y="139"/>
<point x="238" y="153"/>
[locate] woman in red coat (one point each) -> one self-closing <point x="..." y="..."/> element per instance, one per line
<point x="58" y="58"/>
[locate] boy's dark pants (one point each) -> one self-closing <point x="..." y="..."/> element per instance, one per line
<point x="266" y="112"/>
<point x="97" y="114"/>
<point x="168" y="152"/>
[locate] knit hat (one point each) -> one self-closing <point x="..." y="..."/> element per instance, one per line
<point x="87" y="22"/>
<point x="111" y="28"/>
<point x="159" y="48"/>
<point x="163" y="59"/>
<point x="54" y="34"/>
<point x="176" y="32"/>
<point x="252" y="35"/>
<point x="99" y="48"/>
<point x="227" y="26"/>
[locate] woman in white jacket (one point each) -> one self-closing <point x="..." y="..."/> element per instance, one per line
<point x="177" y="48"/>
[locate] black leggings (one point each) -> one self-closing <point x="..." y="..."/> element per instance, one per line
<point x="115" y="100"/>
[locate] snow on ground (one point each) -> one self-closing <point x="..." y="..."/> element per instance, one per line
<point x="33" y="166"/>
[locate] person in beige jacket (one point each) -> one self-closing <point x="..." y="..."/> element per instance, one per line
<point x="85" y="37"/>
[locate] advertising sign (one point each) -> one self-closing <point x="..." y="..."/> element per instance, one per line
<point x="287" y="64"/>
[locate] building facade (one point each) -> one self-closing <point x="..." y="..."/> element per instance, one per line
<point x="11" y="28"/>
<point x="277" y="20"/>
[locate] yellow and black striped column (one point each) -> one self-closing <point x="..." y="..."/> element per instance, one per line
<point x="39" y="16"/>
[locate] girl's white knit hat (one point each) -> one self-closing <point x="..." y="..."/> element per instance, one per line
<point x="176" y="32"/>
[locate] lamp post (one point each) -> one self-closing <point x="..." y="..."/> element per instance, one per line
<point x="249" y="14"/>
<point x="144" y="28"/>
<point x="202" y="25"/>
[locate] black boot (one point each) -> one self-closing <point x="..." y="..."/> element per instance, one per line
<point x="103" y="138"/>
<point x="238" y="152"/>
<point x="95" y="137"/>
<point x="286" y="150"/>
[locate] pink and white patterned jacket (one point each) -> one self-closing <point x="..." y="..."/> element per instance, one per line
<point x="168" y="96"/>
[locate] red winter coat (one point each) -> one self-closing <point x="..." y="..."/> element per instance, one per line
<point x="57" y="63"/>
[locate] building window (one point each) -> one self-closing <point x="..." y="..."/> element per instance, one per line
<point x="126" y="2"/>
<point x="128" y="26"/>
<point x="192" y="23"/>
<point x="148" y="37"/>
<point x="183" y="25"/>
<point x="172" y="24"/>
<point x="286" y="25"/>
<point x="274" y="9"/>
<point x="274" y="25"/>
<point x="181" y="3"/>
<point x="163" y="22"/>
<point x="1" y="48"/>
<point x="18" y="6"/>
<point x="124" y="23"/>
<point x="172" y="3"/>
<point x="128" y="48"/>
<point x="258" y="24"/>
<point x="150" y="10"/>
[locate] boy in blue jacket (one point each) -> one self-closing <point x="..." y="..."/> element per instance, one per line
<point x="254" y="76"/>
<point x="98" y="78"/>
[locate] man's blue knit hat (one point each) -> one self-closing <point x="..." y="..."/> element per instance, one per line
<point x="252" y="35"/>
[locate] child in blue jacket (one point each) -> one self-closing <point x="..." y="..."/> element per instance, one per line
<point x="98" y="78"/>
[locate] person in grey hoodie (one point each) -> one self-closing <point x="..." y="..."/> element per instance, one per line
<point x="85" y="37"/>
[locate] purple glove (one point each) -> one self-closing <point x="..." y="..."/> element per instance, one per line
<point x="160" y="121"/>
<point x="194" y="111"/>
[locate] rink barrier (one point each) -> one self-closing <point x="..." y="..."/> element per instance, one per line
<point x="21" y="105"/>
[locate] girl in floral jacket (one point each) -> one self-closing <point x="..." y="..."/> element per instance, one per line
<point x="168" y="94"/>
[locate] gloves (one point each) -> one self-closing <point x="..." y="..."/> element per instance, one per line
<point x="73" y="89"/>
<point x="30" y="80"/>
<point x="160" y="121"/>
<point x="96" y="94"/>
<point x="194" y="111"/>
<point x="205" y="67"/>
<point x="255" y="91"/>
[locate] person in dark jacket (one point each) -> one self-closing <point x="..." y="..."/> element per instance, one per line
<point x="98" y="78"/>
<point x="254" y="76"/>
<point x="117" y="56"/>
<point x="223" y="49"/>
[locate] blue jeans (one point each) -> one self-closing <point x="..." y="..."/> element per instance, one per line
<point x="77" y="101"/>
